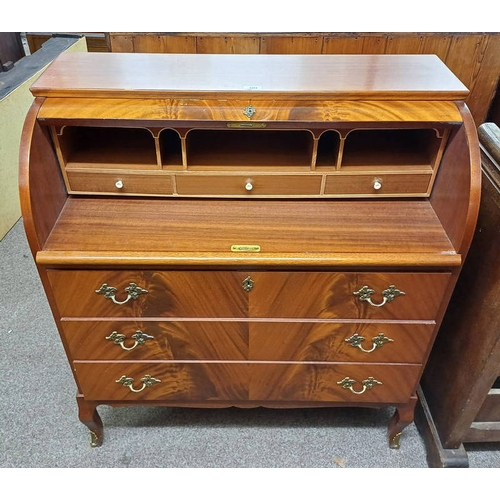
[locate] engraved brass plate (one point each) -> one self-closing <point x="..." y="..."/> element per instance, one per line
<point x="246" y="125"/>
<point x="245" y="248"/>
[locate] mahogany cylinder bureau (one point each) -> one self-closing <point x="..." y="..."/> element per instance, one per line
<point x="241" y="230"/>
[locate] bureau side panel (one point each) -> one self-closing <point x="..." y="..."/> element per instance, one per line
<point x="42" y="191"/>
<point x="457" y="189"/>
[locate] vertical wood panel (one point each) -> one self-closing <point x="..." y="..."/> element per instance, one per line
<point x="291" y="45"/>
<point x="437" y="44"/>
<point x="411" y="44"/>
<point x="355" y="44"/>
<point x="464" y="57"/>
<point x="374" y="44"/>
<point x="146" y="43"/>
<point x="343" y="45"/>
<point x="419" y="44"/>
<point x="121" y="43"/>
<point x="165" y="44"/>
<point x="227" y="45"/>
<point x="486" y="82"/>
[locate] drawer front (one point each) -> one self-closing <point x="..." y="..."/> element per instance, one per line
<point x="206" y="294"/>
<point x="369" y="383"/>
<point x="340" y="295"/>
<point x="181" y="382"/>
<point x="247" y="382"/>
<point x="221" y="294"/>
<point x="252" y="341"/>
<point x="340" y="342"/>
<point x="86" y="181"/>
<point x="378" y="185"/>
<point x="248" y="185"/>
<point x="153" y="340"/>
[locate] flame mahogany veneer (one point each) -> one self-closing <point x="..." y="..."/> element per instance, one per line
<point x="233" y="230"/>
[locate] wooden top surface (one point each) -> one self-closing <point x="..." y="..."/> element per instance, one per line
<point x="392" y="77"/>
<point x="107" y="231"/>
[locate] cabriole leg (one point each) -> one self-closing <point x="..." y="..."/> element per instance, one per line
<point x="403" y="416"/>
<point x="87" y="413"/>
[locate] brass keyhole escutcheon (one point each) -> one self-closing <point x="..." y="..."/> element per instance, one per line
<point x="249" y="111"/>
<point x="248" y="283"/>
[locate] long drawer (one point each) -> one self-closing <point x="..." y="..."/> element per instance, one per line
<point x="247" y="341"/>
<point x="281" y="382"/>
<point x="229" y="294"/>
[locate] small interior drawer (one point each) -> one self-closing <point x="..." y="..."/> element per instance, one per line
<point x="119" y="182"/>
<point x="378" y="185"/>
<point x="248" y="185"/>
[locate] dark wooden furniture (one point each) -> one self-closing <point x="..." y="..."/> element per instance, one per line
<point x="280" y="231"/>
<point x="11" y="50"/>
<point x="460" y="394"/>
<point x="96" y="41"/>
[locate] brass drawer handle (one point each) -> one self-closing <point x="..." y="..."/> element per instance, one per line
<point x="377" y="341"/>
<point x="147" y="381"/>
<point x="139" y="337"/>
<point x="389" y="295"/>
<point x="109" y="292"/>
<point x="347" y="383"/>
<point x="248" y="283"/>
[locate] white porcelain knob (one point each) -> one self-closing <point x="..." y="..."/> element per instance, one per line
<point x="377" y="184"/>
<point x="119" y="184"/>
<point x="249" y="186"/>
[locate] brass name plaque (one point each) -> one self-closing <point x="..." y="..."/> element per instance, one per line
<point x="245" y="248"/>
<point x="246" y="125"/>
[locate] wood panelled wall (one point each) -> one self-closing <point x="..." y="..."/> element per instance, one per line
<point x="473" y="57"/>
